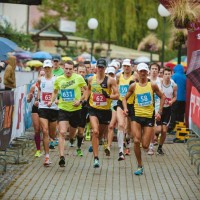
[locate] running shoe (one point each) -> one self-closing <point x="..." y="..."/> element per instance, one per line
<point x="151" y="151"/>
<point x="38" y="153"/>
<point x="160" y="151"/>
<point x="127" y="152"/>
<point x="105" y="145"/>
<point x="62" y="161"/>
<point x="71" y="141"/>
<point x="90" y="149"/>
<point x="79" y="152"/>
<point x="51" y="145"/>
<point x="107" y="151"/>
<point x="139" y="171"/>
<point x="96" y="163"/>
<point x="46" y="162"/>
<point x="56" y="142"/>
<point x="121" y="156"/>
<point x="101" y="142"/>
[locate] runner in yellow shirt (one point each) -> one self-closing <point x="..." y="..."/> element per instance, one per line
<point x="69" y="104"/>
<point x="143" y="116"/>
<point x="102" y="90"/>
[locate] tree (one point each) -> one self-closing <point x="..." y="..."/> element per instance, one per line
<point x="123" y="22"/>
<point x="22" y="40"/>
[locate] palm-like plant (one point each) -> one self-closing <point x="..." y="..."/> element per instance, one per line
<point x="184" y="13"/>
<point x="150" y="43"/>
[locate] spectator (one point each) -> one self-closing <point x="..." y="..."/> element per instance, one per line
<point x="178" y="108"/>
<point x="9" y="76"/>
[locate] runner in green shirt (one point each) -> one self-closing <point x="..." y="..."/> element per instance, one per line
<point x="57" y="70"/>
<point x="69" y="104"/>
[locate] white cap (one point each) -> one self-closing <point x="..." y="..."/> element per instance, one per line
<point x="47" y="63"/>
<point x="110" y="70"/>
<point x="142" y="66"/>
<point x="126" y="62"/>
<point x="114" y="64"/>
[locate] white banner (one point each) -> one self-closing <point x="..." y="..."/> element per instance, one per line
<point x="18" y="128"/>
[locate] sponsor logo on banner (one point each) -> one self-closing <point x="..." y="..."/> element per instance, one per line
<point x="6" y="117"/>
<point x="194" y="116"/>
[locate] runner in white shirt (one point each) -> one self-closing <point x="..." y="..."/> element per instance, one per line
<point x="169" y="88"/>
<point x="48" y="115"/>
<point x="154" y="72"/>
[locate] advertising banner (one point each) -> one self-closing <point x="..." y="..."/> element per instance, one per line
<point x="6" y="117"/>
<point x="194" y="113"/>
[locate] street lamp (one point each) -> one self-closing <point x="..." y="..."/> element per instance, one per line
<point x="163" y="12"/>
<point x="92" y="25"/>
<point x="152" y="24"/>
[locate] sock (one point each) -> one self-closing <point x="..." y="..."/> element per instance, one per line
<point x="47" y="155"/>
<point x="79" y="141"/>
<point x="120" y="136"/>
<point x="96" y="157"/>
<point x="160" y="146"/>
<point x="151" y="146"/>
<point x="128" y="142"/>
<point x="37" y="141"/>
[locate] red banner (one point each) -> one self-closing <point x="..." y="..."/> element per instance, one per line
<point x="194" y="117"/>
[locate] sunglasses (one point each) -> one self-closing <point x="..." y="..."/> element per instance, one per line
<point x="101" y="67"/>
<point x="55" y="61"/>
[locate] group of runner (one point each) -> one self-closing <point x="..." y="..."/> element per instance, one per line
<point x="135" y="101"/>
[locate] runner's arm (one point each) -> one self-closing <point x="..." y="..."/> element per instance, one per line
<point x="88" y="91"/>
<point x="160" y="95"/>
<point x="174" y="95"/>
<point x="30" y="95"/>
<point x="115" y="93"/>
<point x="53" y="98"/>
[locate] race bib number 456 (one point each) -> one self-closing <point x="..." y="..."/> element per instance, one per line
<point x="68" y="95"/>
<point x="46" y="97"/>
<point x="99" y="100"/>
<point x="144" y="99"/>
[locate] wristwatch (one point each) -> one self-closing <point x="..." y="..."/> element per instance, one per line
<point x="160" y="112"/>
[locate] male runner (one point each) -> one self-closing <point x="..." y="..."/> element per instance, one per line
<point x="169" y="88"/>
<point x="123" y="81"/>
<point x="69" y="104"/>
<point x="102" y="90"/>
<point x="143" y="114"/>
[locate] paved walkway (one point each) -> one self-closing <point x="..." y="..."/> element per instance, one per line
<point x="166" y="177"/>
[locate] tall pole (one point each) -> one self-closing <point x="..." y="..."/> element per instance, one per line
<point x="179" y="52"/>
<point x="92" y="44"/>
<point x="27" y="25"/>
<point x="163" y="42"/>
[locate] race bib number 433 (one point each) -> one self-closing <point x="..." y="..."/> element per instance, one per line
<point x="99" y="100"/>
<point x="68" y="95"/>
<point x="144" y="99"/>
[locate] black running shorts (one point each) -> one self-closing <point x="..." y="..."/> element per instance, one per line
<point x="49" y="114"/>
<point x="104" y="116"/>
<point x="74" y="117"/>
<point x="34" y="109"/>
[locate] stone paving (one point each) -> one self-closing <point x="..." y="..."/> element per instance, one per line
<point x="166" y="177"/>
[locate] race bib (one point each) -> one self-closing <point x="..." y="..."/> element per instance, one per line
<point x="46" y="97"/>
<point x="157" y="99"/>
<point x="68" y="95"/>
<point x="123" y="89"/>
<point x="144" y="99"/>
<point x="167" y="101"/>
<point x="99" y="100"/>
